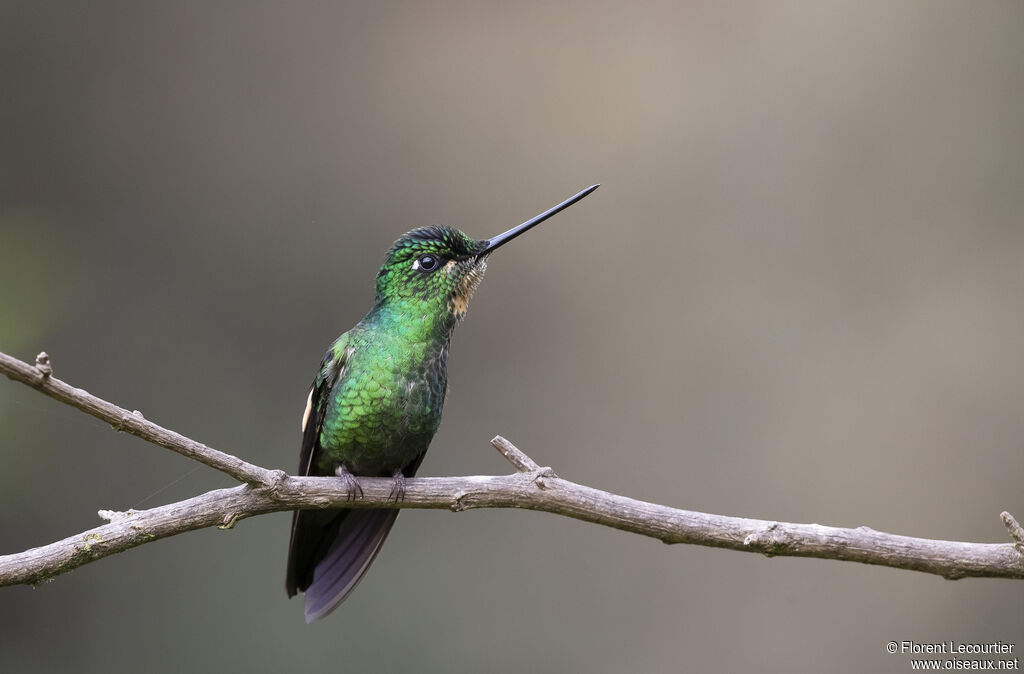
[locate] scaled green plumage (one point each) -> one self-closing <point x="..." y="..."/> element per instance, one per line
<point x="376" y="401"/>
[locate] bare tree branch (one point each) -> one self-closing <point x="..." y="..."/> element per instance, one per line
<point x="531" y="487"/>
<point x="40" y="377"/>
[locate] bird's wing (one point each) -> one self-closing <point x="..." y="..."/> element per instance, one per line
<point x="306" y="525"/>
<point x="332" y="368"/>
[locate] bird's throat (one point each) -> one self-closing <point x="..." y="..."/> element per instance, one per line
<point x="458" y="305"/>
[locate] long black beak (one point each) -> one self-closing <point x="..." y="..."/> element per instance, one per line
<point x="502" y="239"/>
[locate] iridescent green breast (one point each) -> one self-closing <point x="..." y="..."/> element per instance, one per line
<point x="386" y="403"/>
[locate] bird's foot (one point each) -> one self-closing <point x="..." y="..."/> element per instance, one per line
<point x="398" y="487"/>
<point x="354" y="491"/>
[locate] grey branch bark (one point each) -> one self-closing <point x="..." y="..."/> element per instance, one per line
<point x="40" y="377"/>
<point x="531" y="487"/>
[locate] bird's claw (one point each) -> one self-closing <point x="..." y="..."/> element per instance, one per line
<point x="353" y="489"/>
<point x="398" y="487"/>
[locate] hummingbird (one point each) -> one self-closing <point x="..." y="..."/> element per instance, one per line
<point x="376" y="401"/>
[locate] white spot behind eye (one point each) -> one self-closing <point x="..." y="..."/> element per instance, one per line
<point x="416" y="264"/>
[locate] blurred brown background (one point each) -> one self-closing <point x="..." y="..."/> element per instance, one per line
<point x="797" y="296"/>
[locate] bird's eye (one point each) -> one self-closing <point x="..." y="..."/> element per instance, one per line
<point x="426" y="263"/>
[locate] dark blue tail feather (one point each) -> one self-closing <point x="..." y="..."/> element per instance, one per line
<point x="359" y="537"/>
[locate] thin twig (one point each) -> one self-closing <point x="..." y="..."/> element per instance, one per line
<point x="515" y="456"/>
<point x="40" y="377"/>
<point x="1015" y="529"/>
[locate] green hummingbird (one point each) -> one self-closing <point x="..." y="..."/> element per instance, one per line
<point x="376" y="401"/>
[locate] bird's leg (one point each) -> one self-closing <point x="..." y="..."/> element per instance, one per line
<point x="351" y="484"/>
<point x="398" y="488"/>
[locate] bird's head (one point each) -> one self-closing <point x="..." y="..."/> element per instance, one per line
<point x="440" y="267"/>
